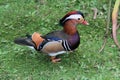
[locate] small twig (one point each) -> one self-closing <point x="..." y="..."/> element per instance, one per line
<point x="95" y="10"/>
<point x="105" y="40"/>
<point x="107" y="29"/>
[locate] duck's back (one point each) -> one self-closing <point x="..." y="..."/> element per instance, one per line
<point x="56" y="35"/>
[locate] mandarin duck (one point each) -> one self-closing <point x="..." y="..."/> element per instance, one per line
<point x="57" y="42"/>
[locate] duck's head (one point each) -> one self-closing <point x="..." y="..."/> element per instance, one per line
<point x="74" y="15"/>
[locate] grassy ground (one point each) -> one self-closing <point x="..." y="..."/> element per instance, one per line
<point x="18" y="17"/>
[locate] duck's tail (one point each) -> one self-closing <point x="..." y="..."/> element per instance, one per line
<point x="33" y="40"/>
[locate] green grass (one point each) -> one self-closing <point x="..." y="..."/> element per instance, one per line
<point x="18" y="17"/>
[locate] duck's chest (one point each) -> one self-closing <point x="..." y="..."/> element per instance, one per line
<point x="72" y="42"/>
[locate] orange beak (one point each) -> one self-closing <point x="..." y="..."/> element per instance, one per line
<point x="85" y="22"/>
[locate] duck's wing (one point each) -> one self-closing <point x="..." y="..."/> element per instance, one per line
<point x="56" y="35"/>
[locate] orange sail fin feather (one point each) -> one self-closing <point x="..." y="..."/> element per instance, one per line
<point x="37" y="39"/>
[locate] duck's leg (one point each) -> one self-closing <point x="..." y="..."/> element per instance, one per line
<point x="54" y="59"/>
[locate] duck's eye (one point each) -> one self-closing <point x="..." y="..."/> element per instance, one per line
<point x="78" y="18"/>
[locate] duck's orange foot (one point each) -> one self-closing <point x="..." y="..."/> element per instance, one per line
<point x="55" y="60"/>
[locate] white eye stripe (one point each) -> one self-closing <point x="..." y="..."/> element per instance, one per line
<point x="75" y="16"/>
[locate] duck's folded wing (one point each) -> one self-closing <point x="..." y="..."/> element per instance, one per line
<point x="56" y="35"/>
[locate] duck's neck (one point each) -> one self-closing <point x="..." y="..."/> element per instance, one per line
<point x="70" y="27"/>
